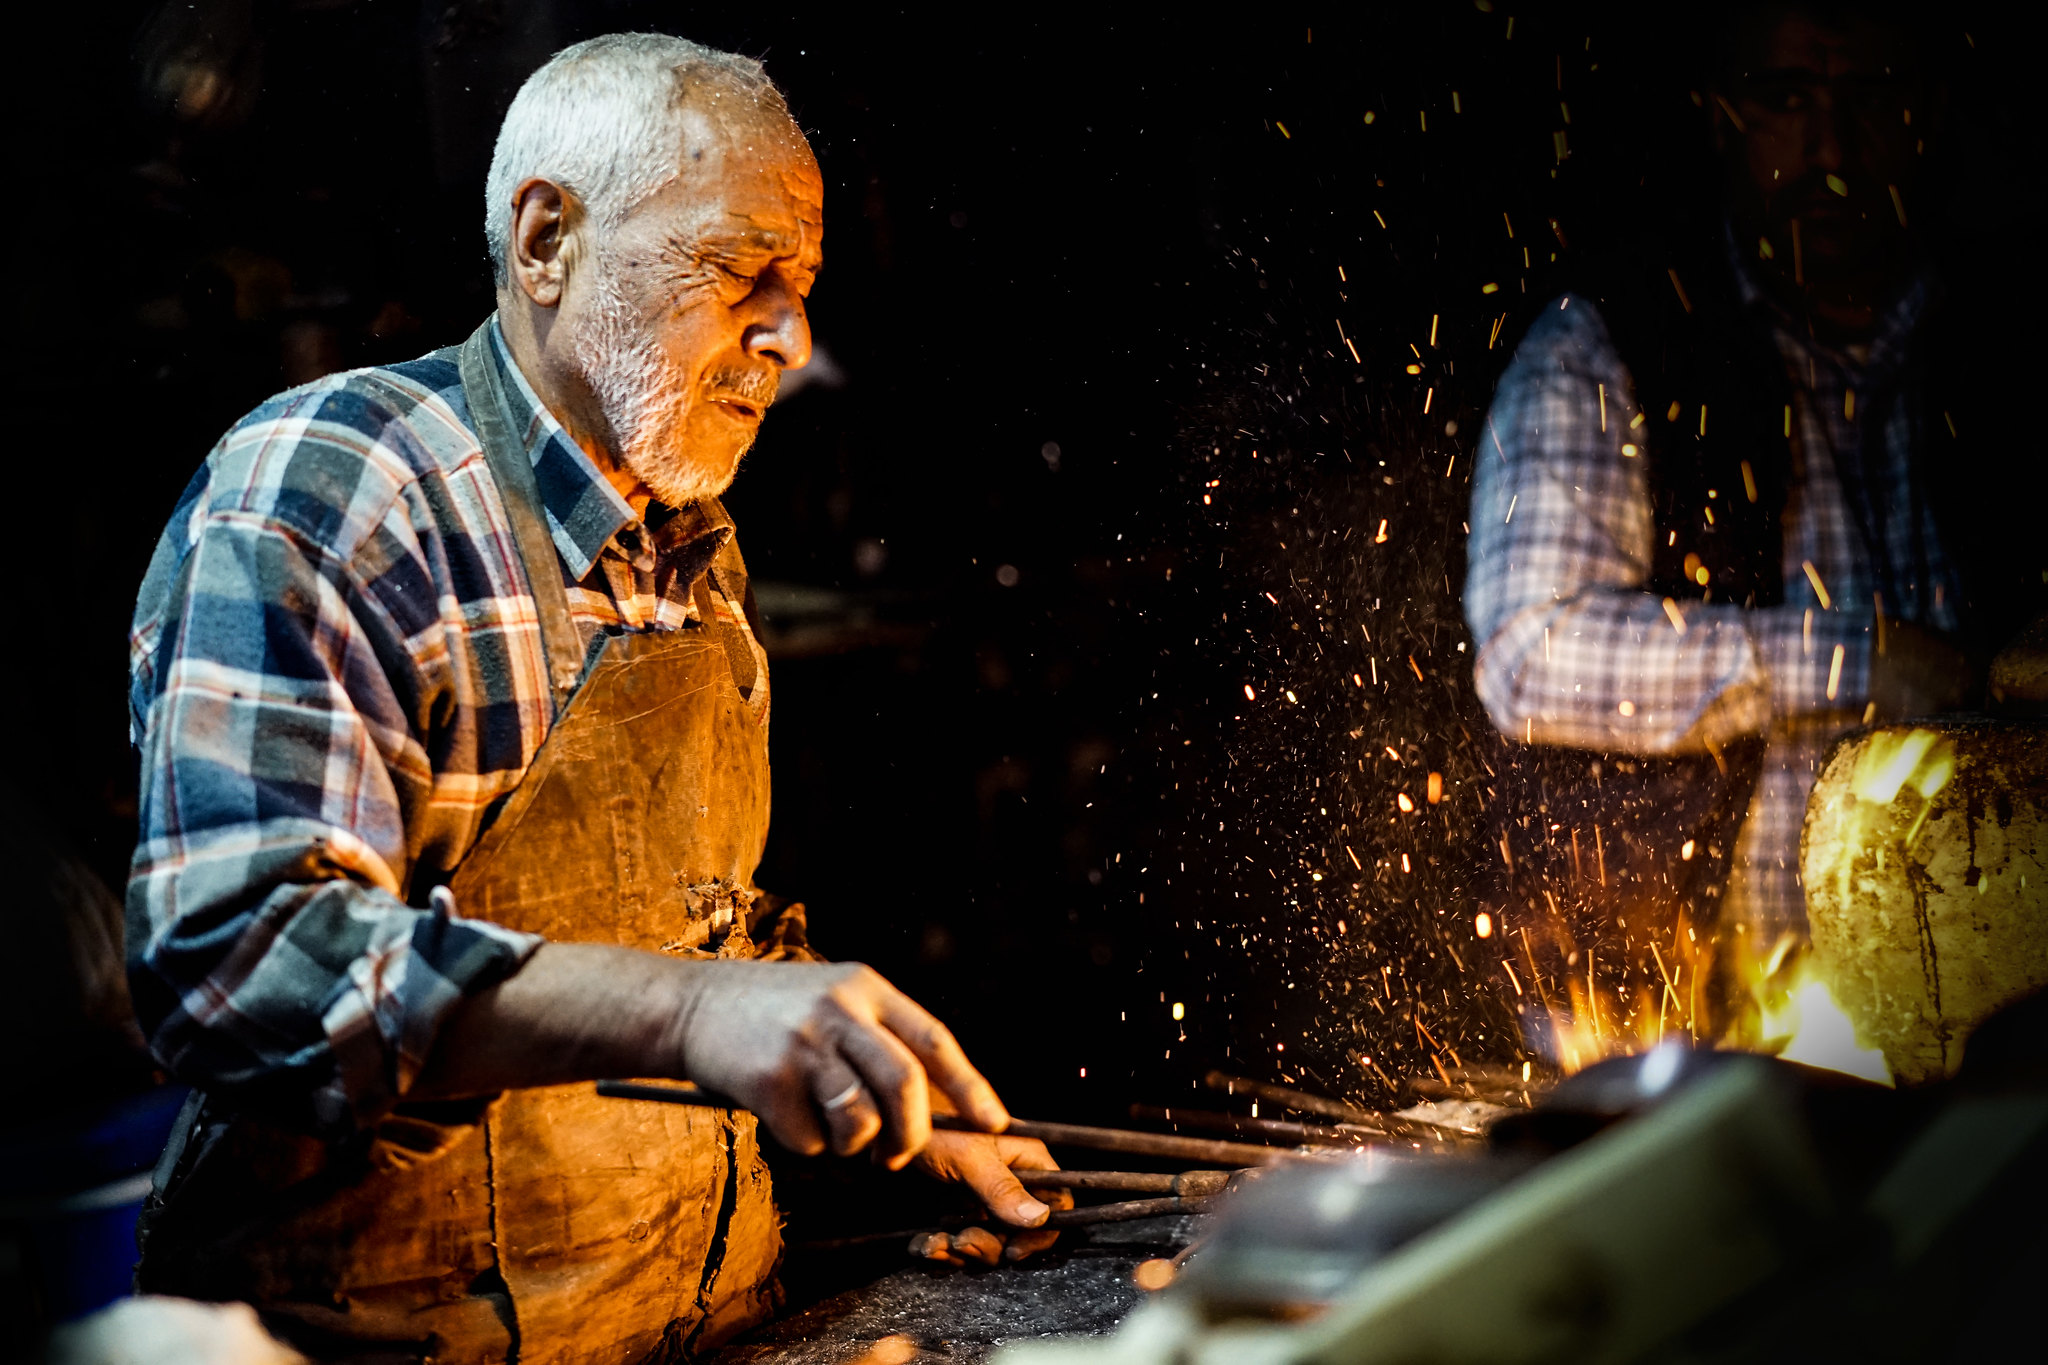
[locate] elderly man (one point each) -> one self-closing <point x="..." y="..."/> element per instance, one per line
<point x="1705" y="534"/>
<point x="454" y="740"/>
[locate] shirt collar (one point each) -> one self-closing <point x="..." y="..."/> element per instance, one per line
<point x="585" y="513"/>
<point x="1887" y="347"/>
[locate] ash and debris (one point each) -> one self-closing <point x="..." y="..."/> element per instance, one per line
<point x="1083" y="1287"/>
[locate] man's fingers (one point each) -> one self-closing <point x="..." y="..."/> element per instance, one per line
<point x="980" y="1166"/>
<point x="934" y="1246"/>
<point x="978" y="1244"/>
<point x="1029" y="1242"/>
<point x="850" y="1114"/>
<point x="1025" y="1154"/>
<point x="897" y="1086"/>
<point x="792" y="1117"/>
<point x="934" y="1045"/>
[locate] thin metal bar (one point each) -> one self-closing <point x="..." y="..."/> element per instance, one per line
<point x="1202" y="1150"/>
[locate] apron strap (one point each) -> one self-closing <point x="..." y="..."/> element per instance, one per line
<point x="510" y="465"/>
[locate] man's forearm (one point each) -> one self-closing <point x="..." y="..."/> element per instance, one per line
<point x="1607" y="669"/>
<point x="827" y="1054"/>
<point x="574" y="1012"/>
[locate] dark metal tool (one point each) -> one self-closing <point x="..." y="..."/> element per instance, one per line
<point x="1204" y="1150"/>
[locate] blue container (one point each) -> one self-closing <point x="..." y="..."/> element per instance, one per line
<point x="70" y="1189"/>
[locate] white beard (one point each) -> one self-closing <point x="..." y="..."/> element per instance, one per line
<point x="644" y="397"/>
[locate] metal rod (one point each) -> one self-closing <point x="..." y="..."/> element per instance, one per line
<point x="1125" y="1211"/>
<point x="1188" y="1184"/>
<point x="1516" y="1097"/>
<point x="1303" y="1102"/>
<point x="1309" y="1134"/>
<point x="1287" y="1096"/>
<point x="1203" y="1150"/>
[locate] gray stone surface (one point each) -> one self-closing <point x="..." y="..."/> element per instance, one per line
<point x="960" y="1315"/>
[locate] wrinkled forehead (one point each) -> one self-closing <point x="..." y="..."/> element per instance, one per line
<point x="746" y="175"/>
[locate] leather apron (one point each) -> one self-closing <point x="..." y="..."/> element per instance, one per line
<point x="561" y="1227"/>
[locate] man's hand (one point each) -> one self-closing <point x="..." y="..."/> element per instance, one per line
<point x="986" y="1166"/>
<point x="1917" y="672"/>
<point x="827" y="1054"/>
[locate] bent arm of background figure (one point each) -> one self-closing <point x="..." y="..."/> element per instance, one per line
<point x="1571" y="649"/>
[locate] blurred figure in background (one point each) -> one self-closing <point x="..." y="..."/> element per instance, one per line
<point x="1713" y="516"/>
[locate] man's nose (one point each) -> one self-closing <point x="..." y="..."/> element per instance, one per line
<point x="781" y="329"/>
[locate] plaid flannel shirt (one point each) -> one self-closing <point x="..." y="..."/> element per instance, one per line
<point x="1572" y="650"/>
<point x="336" y="670"/>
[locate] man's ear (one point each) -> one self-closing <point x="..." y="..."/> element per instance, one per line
<point x="543" y="216"/>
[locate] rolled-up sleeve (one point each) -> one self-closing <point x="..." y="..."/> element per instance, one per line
<point x="272" y="955"/>
<point x="1571" y="649"/>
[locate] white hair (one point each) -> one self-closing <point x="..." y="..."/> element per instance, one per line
<point x="604" y="120"/>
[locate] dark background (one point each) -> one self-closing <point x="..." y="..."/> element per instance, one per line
<point x="1092" y="454"/>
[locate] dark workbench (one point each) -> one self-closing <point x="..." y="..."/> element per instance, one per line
<point x="1083" y="1285"/>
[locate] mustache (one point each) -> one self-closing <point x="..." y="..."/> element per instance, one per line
<point x="756" y="386"/>
<point x="1811" y="191"/>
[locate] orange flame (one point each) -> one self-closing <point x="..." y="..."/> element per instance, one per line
<point x="1658" y="996"/>
<point x="1789" y="1010"/>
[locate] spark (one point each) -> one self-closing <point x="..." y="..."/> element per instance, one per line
<point x="1685" y="852"/>
<point x="1835" y="673"/>
<point x="1482" y="924"/>
<point x="1677" y="618"/>
<point x="1820" y="589"/>
<point x="1407" y="806"/>
<point x="1250" y="695"/>
<point x="1627" y="707"/>
<point x="1380" y="537"/>
<point x="1436" y="789"/>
